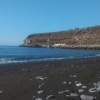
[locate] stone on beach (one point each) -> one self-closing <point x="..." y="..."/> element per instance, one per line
<point x="81" y="90"/>
<point x="92" y="90"/>
<point x="73" y="94"/>
<point x="64" y="82"/>
<point x="73" y="76"/>
<point x="40" y="92"/>
<point x="67" y="95"/>
<point x="38" y="99"/>
<point x="86" y="97"/>
<point x="50" y="97"/>
<point x="69" y="82"/>
<point x="64" y="91"/>
<point x="40" y="85"/>
<point x="78" y="84"/>
<point x="33" y="97"/>
<point x="98" y="86"/>
<point x="84" y="87"/>
<point x="40" y="78"/>
<point x="1" y="91"/>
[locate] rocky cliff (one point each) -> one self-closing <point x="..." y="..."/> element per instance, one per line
<point x="77" y="37"/>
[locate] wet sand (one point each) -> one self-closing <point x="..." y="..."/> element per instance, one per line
<point x="74" y="79"/>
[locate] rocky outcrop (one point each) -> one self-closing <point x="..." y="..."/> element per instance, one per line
<point x="85" y="37"/>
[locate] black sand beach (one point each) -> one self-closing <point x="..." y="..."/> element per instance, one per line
<point x="74" y="79"/>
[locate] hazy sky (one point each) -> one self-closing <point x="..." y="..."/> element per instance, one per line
<point x="19" y="18"/>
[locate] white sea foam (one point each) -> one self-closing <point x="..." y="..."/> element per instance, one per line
<point x="8" y="60"/>
<point x="22" y="60"/>
<point x="98" y="55"/>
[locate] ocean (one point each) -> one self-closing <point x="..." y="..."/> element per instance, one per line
<point x="14" y="54"/>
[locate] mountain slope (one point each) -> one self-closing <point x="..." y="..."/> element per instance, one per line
<point x="85" y="36"/>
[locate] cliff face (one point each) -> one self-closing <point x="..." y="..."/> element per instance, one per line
<point x="86" y="36"/>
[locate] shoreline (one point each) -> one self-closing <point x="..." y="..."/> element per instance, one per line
<point x="48" y="60"/>
<point x="28" y="81"/>
<point x="81" y="47"/>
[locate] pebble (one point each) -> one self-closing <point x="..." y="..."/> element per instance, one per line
<point x="38" y="99"/>
<point x="40" y="92"/>
<point x="84" y="87"/>
<point x="40" y="85"/>
<point x="86" y="97"/>
<point x="69" y="83"/>
<point x="40" y="78"/>
<point x="67" y="95"/>
<point x="1" y="91"/>
<point x="73" y="94"/>
<point x="74" y="76"/>
<point x="50" y="97"/>
<point x="64" y="82"/>
<point x="78" y="84"/>
<point x="92" y="90"/>
<point x="81" y="90"/>
<point x="98" y="86"/>
<point x="94" y="83"/>
<point x="33" y="97"/>
<point x="64" y="91"/>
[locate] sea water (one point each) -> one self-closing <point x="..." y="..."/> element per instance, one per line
<point x="14" y="54"/>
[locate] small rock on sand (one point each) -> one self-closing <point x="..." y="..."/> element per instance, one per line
<point x="50" y="97"/>
<point x="73" y="76"/>
<point x="69" y="82"/>
<point x="40" y="78"/>
<point x="33" y="97"/>
<point x="98" y="86"/>
<point x="73" y="94"/>
<point x="38" y="99"/>
<point x="86" y="97"/>
<point x="78" y="84"/>
<point x="1" y="91"/>
<point x="81" y="90"/>
<point x="84" y="87"/>
<point x="63" y="91"/>
<point x="40" y="92"/>
<point x="40" y="85"/>
<point x="64" y="82"/>
<point x="92" y="90"/>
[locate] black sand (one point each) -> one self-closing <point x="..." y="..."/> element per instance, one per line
<point x="49" y="79"/>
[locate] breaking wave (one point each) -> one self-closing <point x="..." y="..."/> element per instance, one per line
<point x="8" y="60"/>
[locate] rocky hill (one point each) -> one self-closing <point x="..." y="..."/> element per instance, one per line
<point x="84" y="37"/>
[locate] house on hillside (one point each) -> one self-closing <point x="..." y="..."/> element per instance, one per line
<point x="59" y="45"/>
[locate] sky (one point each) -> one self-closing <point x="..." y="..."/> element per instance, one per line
<point x="19" y="18"/>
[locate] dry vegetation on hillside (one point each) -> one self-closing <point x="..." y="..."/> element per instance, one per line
<point x="84" y="36"/>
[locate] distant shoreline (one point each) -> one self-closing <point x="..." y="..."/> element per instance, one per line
<point x="91" y="47"/>
<point x="79" y="38"/>
<point x="50" y="60"/>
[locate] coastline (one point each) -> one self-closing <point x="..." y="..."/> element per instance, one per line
<point x="81" y="47"/>
<point x="21" y="81"/>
